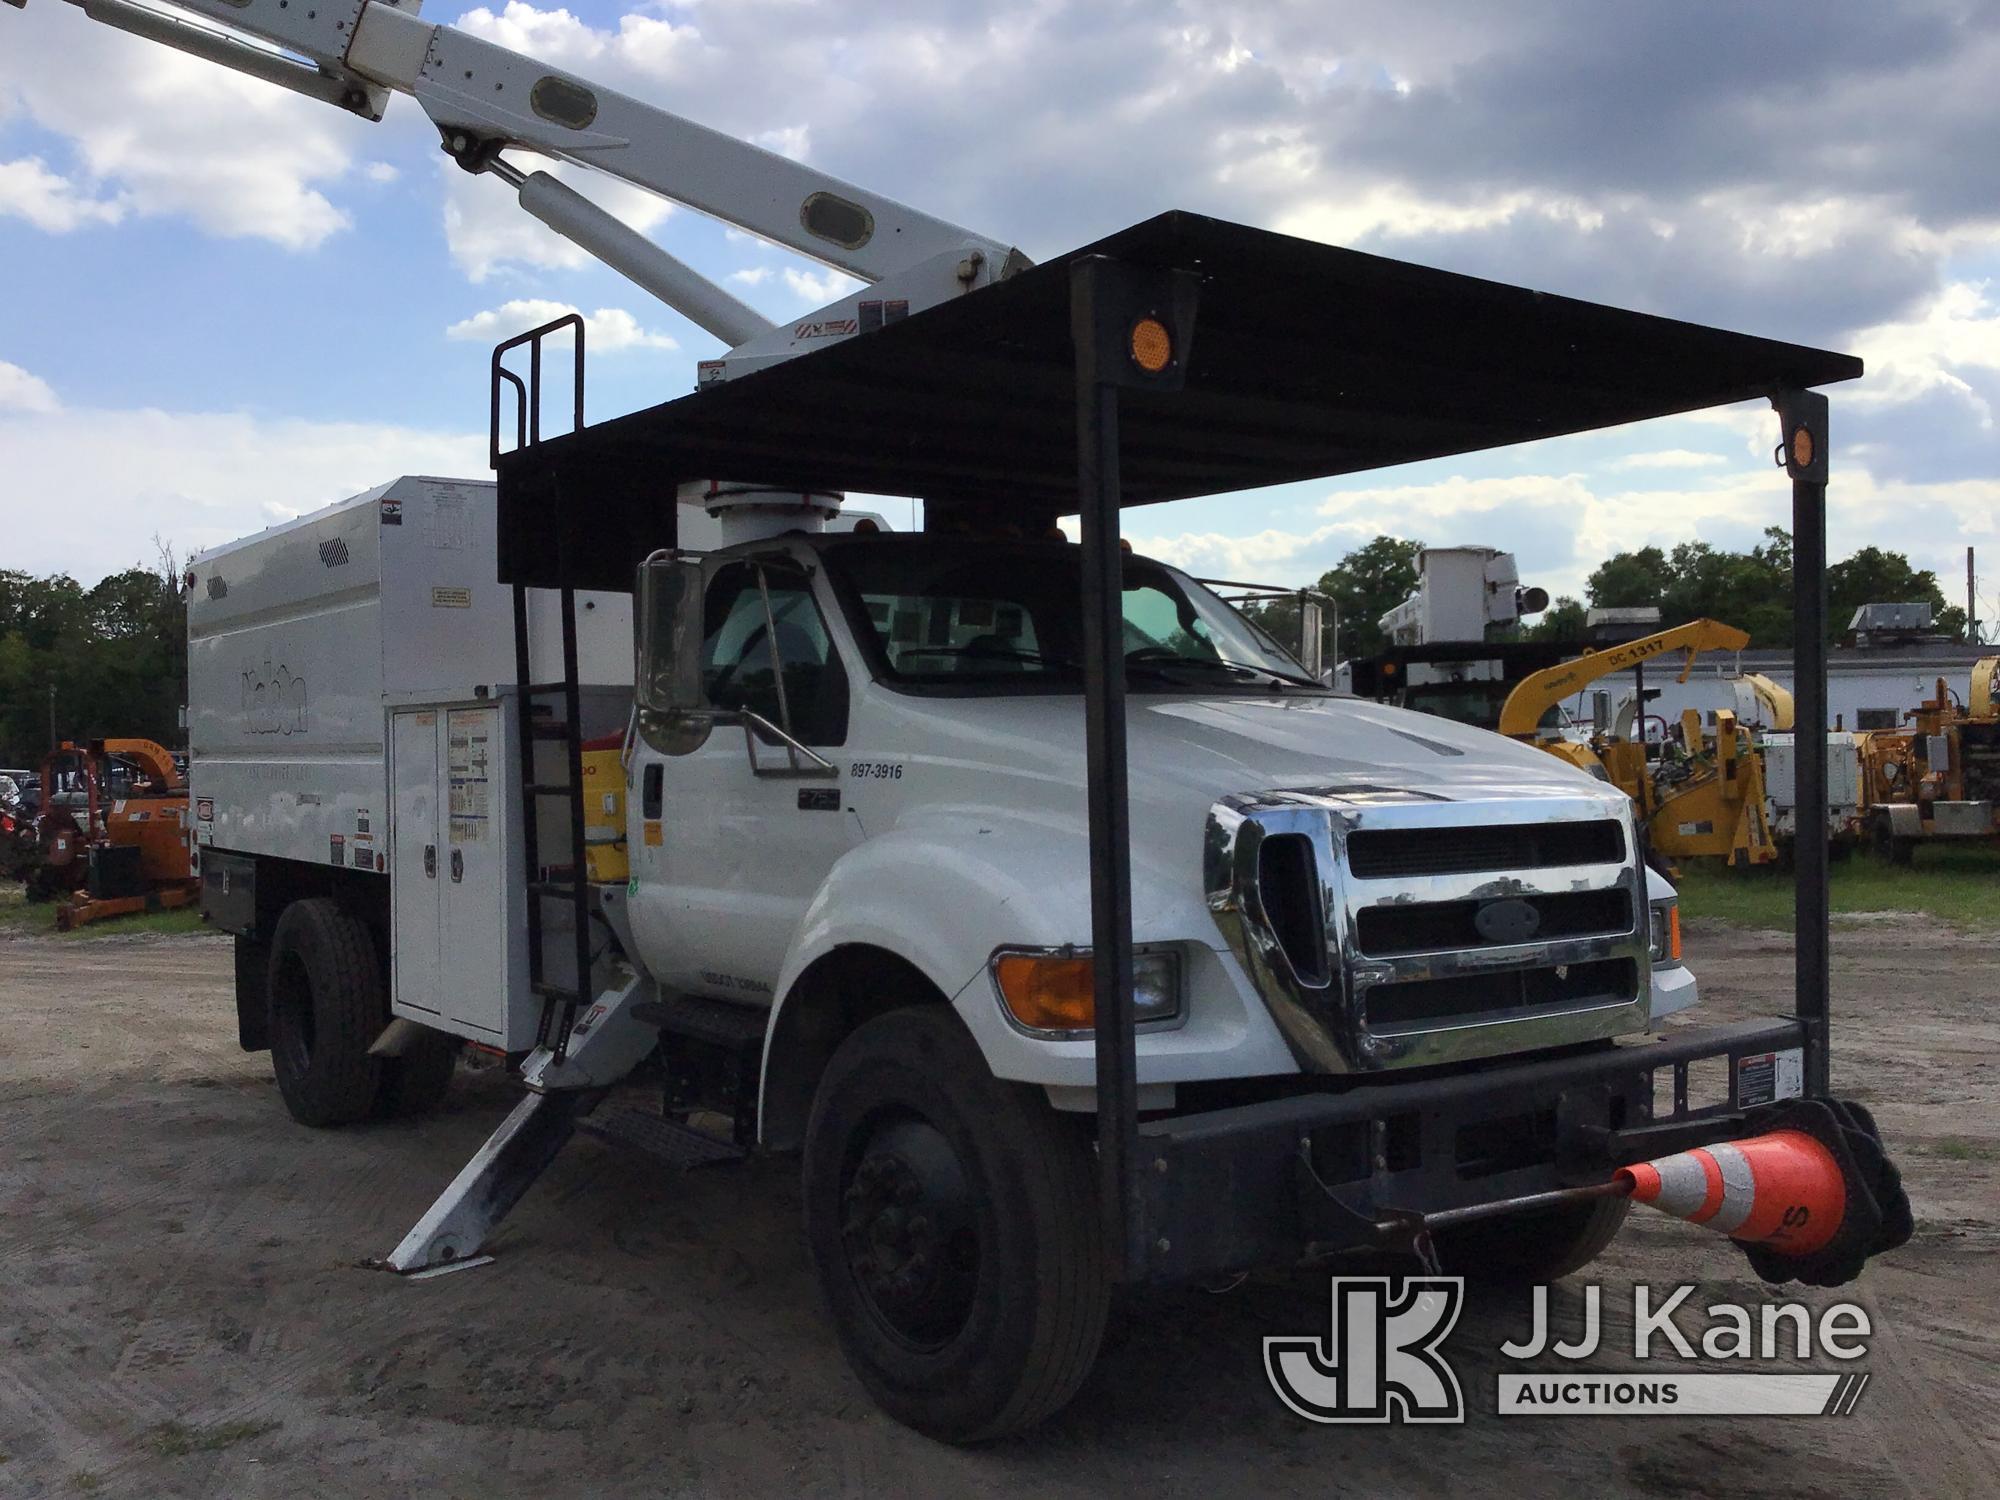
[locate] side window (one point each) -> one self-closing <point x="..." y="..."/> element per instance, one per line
<point x="737" y="656"/>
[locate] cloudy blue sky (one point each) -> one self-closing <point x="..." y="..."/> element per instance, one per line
<point x="223" y="304"/>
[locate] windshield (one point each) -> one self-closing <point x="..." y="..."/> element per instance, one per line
<point x="1006" y="616"/>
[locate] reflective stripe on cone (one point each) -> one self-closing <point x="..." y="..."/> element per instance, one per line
<point x="1783" y="1190"/>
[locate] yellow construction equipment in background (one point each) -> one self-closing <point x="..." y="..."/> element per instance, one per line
<point x="1705" y="798"/>
<point x="1938" y="777"/>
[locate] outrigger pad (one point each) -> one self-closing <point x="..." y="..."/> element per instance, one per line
<point x="1877" y="1217"/>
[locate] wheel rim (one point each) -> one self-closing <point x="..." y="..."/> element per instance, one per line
<point x="909" y="1227"/>
<point x="291" y="994"/>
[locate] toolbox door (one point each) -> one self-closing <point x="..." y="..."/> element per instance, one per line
<point x="415" y="863"/>
<point x="473" y="874"/>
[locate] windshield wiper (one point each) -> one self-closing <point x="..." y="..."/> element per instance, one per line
<point x="997" y="653"/>
<point x="1219" y="663"/>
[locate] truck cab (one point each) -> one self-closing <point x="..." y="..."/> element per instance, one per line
<point x="887" y="760"/>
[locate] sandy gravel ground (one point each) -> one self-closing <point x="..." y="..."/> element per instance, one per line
<point x="183" y="1311"/>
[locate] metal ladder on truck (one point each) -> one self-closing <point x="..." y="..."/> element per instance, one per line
<point x="545" y="883"/>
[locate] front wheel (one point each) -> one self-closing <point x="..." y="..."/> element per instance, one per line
<point x="1532" y="1249"/>
<point x="953" y="1225"/>
<point x="1890" y="846"/>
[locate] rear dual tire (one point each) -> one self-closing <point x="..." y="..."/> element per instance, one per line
<point x="327" y="1003"/>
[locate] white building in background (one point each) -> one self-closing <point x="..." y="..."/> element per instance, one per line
<point x="1870" y="688"/>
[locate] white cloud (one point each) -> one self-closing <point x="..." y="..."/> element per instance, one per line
<point x="487" y="231"/>
<point x="20" y="391"/>
<point x="1959" y="330"/>
<point x="157" y="132"/>
<point x="751" y="275"/>
<point x="198" y="478"/>
<point x="1666" y="458"/>
<point x="381" y="171"/>
<point x="606" y="330"/>
<point x="794" y="141"/>
<point x="49" y="201"/>
<point x="817" y="288"/>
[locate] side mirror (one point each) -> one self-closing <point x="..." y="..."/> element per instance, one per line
<point x="667" y="620"/>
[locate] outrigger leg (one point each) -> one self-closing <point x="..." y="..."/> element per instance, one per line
<point x="456" y="1226"/>
<point x="607" y="1042"/>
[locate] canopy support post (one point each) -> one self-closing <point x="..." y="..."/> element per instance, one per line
<point x="1104" y="740"/>
<point x="1802" y="451"/>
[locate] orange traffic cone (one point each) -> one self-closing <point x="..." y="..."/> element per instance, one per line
<point x="1784" y="1190"/>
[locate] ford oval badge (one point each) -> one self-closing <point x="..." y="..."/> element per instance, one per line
<point x="1507" y="921"/>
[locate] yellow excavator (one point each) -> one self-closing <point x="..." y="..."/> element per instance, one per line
<point x="1703" y="798"/>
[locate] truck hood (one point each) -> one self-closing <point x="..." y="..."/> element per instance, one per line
<point x="1212" y="746"/>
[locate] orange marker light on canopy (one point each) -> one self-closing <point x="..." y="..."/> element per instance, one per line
<point x="1802" y="447"/>
<point x="1152" y="345"/>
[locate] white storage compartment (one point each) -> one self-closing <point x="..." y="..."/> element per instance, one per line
<point x="458" y="868"/>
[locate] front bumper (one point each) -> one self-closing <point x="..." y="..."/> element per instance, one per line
<point x="1275" y="1182"/>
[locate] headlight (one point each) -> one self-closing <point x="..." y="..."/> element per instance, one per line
<point x="1666" y="944"/>
<point x="1054" y="992"/>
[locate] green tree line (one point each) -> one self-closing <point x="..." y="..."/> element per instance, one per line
<point x="1751" y="590"/>
<point x="114" y="653"/>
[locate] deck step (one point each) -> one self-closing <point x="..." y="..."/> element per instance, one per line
<point x="681" y="1145"/>
<point x="718" y="1021"/>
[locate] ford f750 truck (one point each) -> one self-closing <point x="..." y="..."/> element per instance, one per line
<point x="856" y="862"/>
<point x="1067" y="929"/>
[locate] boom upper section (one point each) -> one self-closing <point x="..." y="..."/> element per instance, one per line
<point x="484" y="98"/>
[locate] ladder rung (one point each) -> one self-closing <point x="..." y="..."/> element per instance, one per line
<point x="548" y="789"/>
<point x="555" y="991"/>
<point x="551" y="888"/>
<point x="543" y="689"/>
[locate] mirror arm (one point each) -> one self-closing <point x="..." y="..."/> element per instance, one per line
<point x="777" y="667"/>
<point x="753" y="722"/>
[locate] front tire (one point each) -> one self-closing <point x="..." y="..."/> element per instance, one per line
<point x="953" y="1224"/>
<point x="326" y="1007"/>
<point x="1889" y="846"/>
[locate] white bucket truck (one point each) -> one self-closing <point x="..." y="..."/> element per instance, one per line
<point x="1069" y="931"/>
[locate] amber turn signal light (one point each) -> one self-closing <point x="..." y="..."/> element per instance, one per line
<point x="1046" y="992"/>
<point x="1152" y="345"/>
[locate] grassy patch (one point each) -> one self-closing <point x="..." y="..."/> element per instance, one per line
<point x="27" y="918"/>
<point x="172" y="1440"/>
<point x="1955" y="884"/>
<point x="1963" y="1151"/>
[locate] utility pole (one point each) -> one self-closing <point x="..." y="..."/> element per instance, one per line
<point x="52" y="713"/>
<point x="1971" y="602"/>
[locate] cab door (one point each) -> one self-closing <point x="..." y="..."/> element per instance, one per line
<point x="737" y="836"/>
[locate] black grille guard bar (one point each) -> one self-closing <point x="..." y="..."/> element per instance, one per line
<point x="1234" y="1189"/>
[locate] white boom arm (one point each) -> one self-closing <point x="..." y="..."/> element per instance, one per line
<point x="483" y="98"/>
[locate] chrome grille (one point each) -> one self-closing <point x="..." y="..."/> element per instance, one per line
<point x="1382" y="853"/>
<point x="1394" y="933"/>
<point x="1385" y="931"/>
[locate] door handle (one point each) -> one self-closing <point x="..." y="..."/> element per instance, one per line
<point x="430" y="861"/>
<point x="457" y="863"/>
